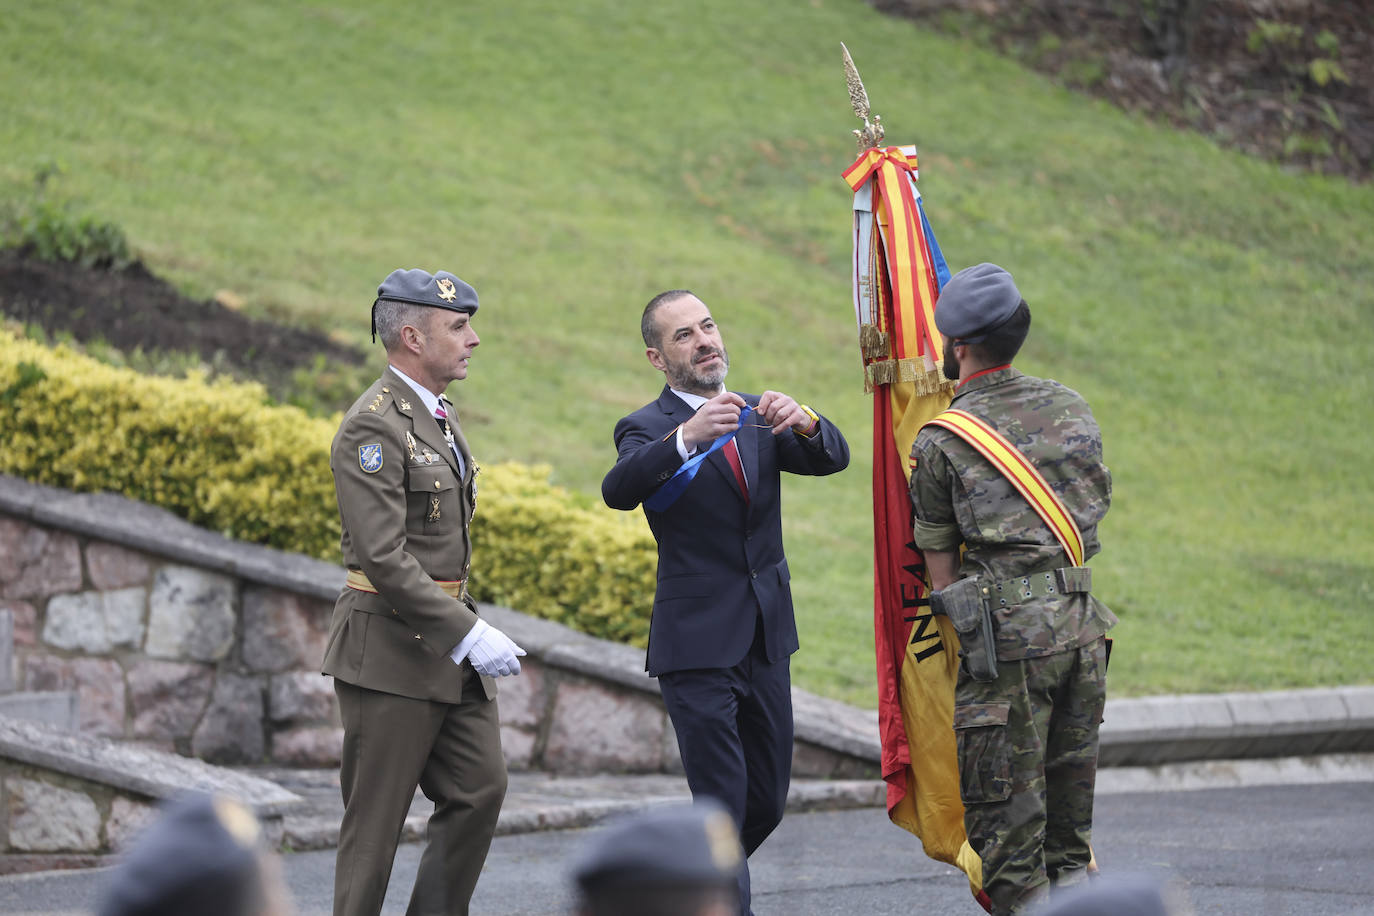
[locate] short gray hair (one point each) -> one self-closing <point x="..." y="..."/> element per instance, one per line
<point x="648" y="321"/>
<point x="391" y="316"/>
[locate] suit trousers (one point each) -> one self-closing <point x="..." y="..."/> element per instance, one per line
<point x="452" y="751"/>
<point x="734" y="732"/>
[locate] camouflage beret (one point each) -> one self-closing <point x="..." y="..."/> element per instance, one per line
<point x="200" y="856"/>
<point x="693" y="845"/>
<point x="440" y="289"/>
<point x="976" y="301"/>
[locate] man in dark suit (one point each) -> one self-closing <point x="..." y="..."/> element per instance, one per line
<point x="413" y="664"/>
<point x="722" y="630"/>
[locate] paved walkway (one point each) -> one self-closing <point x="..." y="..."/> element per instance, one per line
<point x="539" y="801"/>
<point x="1227" y="845"/>
<point x="1226" y="740"/>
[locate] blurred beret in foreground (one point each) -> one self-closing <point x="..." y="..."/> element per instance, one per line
<point x="678" y="845"/>
<point x="200" y="856"/>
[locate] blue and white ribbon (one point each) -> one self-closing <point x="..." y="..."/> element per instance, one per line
<point x="672" y="488"/>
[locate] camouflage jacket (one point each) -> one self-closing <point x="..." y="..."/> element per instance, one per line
<point x="960" y="498"/>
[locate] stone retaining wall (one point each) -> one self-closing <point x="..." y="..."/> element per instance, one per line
<point x="168" y="654"/>
<point x="179" y="639"/>
<point x="71" y="799"/>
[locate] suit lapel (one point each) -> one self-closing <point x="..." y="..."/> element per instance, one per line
<point x="674" y="407"/>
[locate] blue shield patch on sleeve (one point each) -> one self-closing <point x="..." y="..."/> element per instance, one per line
<point x="370" y="457"/>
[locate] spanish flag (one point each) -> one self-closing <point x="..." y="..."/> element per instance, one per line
<point x="898" y="274"/>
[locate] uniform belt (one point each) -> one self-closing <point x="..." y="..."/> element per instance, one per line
<point x="358" y="581"/>
<point x="1069" y="579"/>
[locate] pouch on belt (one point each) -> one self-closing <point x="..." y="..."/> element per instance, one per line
<point x="966" y="605"/>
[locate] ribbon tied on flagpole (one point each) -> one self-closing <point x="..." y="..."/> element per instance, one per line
<point x="893" y="172"/>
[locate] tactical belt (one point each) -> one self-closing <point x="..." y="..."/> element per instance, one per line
<point x="1037" y="585"/>
<point x="358" y="581"/>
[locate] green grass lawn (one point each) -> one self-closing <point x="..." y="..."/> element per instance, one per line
<point x="570" y="160"/>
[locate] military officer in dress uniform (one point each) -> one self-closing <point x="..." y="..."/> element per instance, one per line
<point x="413" y="664"/>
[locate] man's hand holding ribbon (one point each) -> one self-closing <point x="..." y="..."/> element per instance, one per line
<point x="781" y="412"/>
<point x="715" y="418"/>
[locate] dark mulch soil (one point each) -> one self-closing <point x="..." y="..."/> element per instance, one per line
<point x="1219" y="75"/>
<point x="132" y="309"/>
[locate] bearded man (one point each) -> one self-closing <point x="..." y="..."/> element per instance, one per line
<point x="723" y="629"/>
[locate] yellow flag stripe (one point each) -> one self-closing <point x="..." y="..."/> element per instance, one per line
<point x="1022" y="475"/>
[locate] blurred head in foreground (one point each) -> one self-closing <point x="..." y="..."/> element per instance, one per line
<point x="1116" y="895"/>
<point x="682" y="860"/>
<point x="202" y="855"/>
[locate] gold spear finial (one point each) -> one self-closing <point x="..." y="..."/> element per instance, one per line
<point x="872" y="134"/>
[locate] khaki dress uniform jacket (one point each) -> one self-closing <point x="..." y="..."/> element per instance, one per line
<point x="411" y="715"/>
<point x="398" y="640"/>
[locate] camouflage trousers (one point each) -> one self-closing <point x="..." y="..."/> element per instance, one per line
<point x="1027" y="766"/>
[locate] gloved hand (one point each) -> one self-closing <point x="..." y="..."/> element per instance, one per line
<point x="492" y="652"/>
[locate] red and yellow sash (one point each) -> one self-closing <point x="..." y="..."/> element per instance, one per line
<point x="1022" y="474"/>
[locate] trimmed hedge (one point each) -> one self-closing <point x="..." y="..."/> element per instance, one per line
<point x="218" y="454"/>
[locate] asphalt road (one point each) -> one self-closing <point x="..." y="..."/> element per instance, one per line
<point x="1304" y="850"/>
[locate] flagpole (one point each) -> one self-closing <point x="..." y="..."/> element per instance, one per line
<point x="872" y="134"/>
<point x="898" y="272"/>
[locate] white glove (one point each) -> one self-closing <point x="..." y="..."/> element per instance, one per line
<point x="491" y="652"/>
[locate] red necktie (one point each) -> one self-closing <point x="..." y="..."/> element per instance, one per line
<point x="731" y="451"/>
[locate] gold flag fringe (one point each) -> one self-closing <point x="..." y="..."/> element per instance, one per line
<point x="873" y="343"/>
<point x="890" y="371"/>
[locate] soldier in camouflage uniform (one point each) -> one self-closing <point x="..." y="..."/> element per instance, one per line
<point x="1028" y="739"/>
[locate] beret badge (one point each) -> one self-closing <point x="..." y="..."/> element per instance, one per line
<point x="447" y="291"/>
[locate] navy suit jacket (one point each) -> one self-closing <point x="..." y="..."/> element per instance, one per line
<point x="720" y="559"/>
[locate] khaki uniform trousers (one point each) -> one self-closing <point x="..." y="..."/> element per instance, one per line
<point x="452" y="751"/>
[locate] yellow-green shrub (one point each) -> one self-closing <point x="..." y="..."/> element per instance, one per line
<point x="538" y="549"/>
<point x="217" y="454"/>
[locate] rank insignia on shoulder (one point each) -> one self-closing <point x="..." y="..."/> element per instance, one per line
<point x="370" y="457"/>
